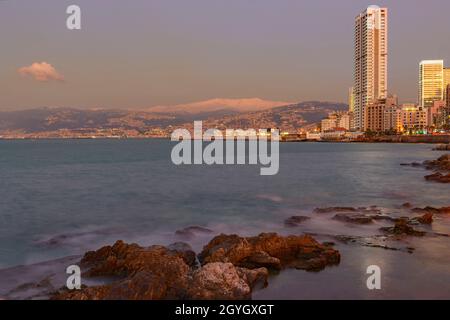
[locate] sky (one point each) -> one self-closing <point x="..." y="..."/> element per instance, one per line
<point x="142" y="53"/>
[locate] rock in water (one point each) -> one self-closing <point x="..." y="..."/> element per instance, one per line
<point x="353" y="218"/>
<point x="427" y="218"/>
<point x="401" y="228"/>
<point x="294" y="221"/>
<point x="301" y="252"/>
<point x="224" y="281"/>
<point x="157" y="272"/>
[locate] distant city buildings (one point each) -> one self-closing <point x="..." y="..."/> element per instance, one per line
<point x="371" y="60"/>
<point x="337" y="120"/>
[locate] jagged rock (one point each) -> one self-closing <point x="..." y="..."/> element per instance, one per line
<point x="186" y="252"/>
<point x="401" y="228"/>
<point x="223" y="281"/>
<point x="438" y="177"/>
<point x="158" y="273"/>
<point x="254" y="277"/>
<point x="441" y="164"/>
<point x="261" y="259"/>
<point x="294" y="221"/>
<point x="301" y="252"/>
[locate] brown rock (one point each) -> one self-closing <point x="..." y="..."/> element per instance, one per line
<point x="438" y="177"/>
<point x="401" y="228"/>
<point x="261" y="259"/>
<point x="158" y="273"/>
<point x="427" y="218"/>
<point x="301" y="252"/>
<point x="223" y="281"/>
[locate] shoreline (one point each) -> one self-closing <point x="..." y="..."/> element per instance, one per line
<point x="440" y="140"/>
<point x="249" y="262"/>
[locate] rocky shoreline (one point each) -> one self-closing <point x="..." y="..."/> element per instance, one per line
<point x="230" y="266"/>
<point x="440" y="168"/>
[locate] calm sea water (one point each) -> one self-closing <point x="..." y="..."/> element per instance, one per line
<point x="63" y="197"/>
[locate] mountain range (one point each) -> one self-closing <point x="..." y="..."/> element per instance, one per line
<point x="219" y="113"/>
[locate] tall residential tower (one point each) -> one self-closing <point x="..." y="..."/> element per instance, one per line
<point x="371" y="60"/>
<point x="431" y="82"/>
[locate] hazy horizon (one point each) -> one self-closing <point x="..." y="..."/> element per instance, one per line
<point x="152" y="53"/>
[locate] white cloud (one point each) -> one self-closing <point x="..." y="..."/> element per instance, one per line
<point x="42" y="72"/>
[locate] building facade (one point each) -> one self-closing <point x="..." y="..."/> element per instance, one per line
<point x="414" y="118"/>
<point x="335" y="120"/>
<point x="446" y="83"/>
<point x="431" y="82"/>
<point x="393" y="119"/>
<point x="351" y="100"/>
<point x="371" y="60"/>
<point x="375" y="114"/>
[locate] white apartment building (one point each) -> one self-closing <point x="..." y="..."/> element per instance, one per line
<point x="371" y="60"/>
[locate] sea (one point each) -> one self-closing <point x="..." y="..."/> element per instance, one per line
<point x="61" y="198"/>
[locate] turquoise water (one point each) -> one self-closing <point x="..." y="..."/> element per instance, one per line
<point x="81" y="194"/>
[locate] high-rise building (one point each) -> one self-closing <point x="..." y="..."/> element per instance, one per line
<point x="351" y="100"/>
<point x="431" y="82"/>
<point x="446" y="83"/>
<point x="371" y="60"/>
<point x="448" y="96"/>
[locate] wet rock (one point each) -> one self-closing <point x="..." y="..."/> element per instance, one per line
<point x="223" y="281"/>
<point x="185" y="251"/>
<point x="335" y="209"/>
<point x="353" y="218"/>
<point x="427" y="218"/>
<point x="295" y="221"/>
<point x="261" y="259"/>
<point x="402" y="228"/>
<point x="65" y="239"/>
<point x="371" y="242"/>
<point x="190" y="232"/>
<point x="158" y="273"/>
<point x="413" y="164"/>
<point x="146" y="273"/>
<point x="433" y="210"/>
<point x="438" y="177"/>
<point x="254" y="277"/>
<point x="442" y="147"/>
<point x="301" y="252"/>
<point x="407" y="205"/>
<point x="441" y="164"/>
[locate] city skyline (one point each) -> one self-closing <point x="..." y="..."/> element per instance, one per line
<point x="147" y="54"/>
